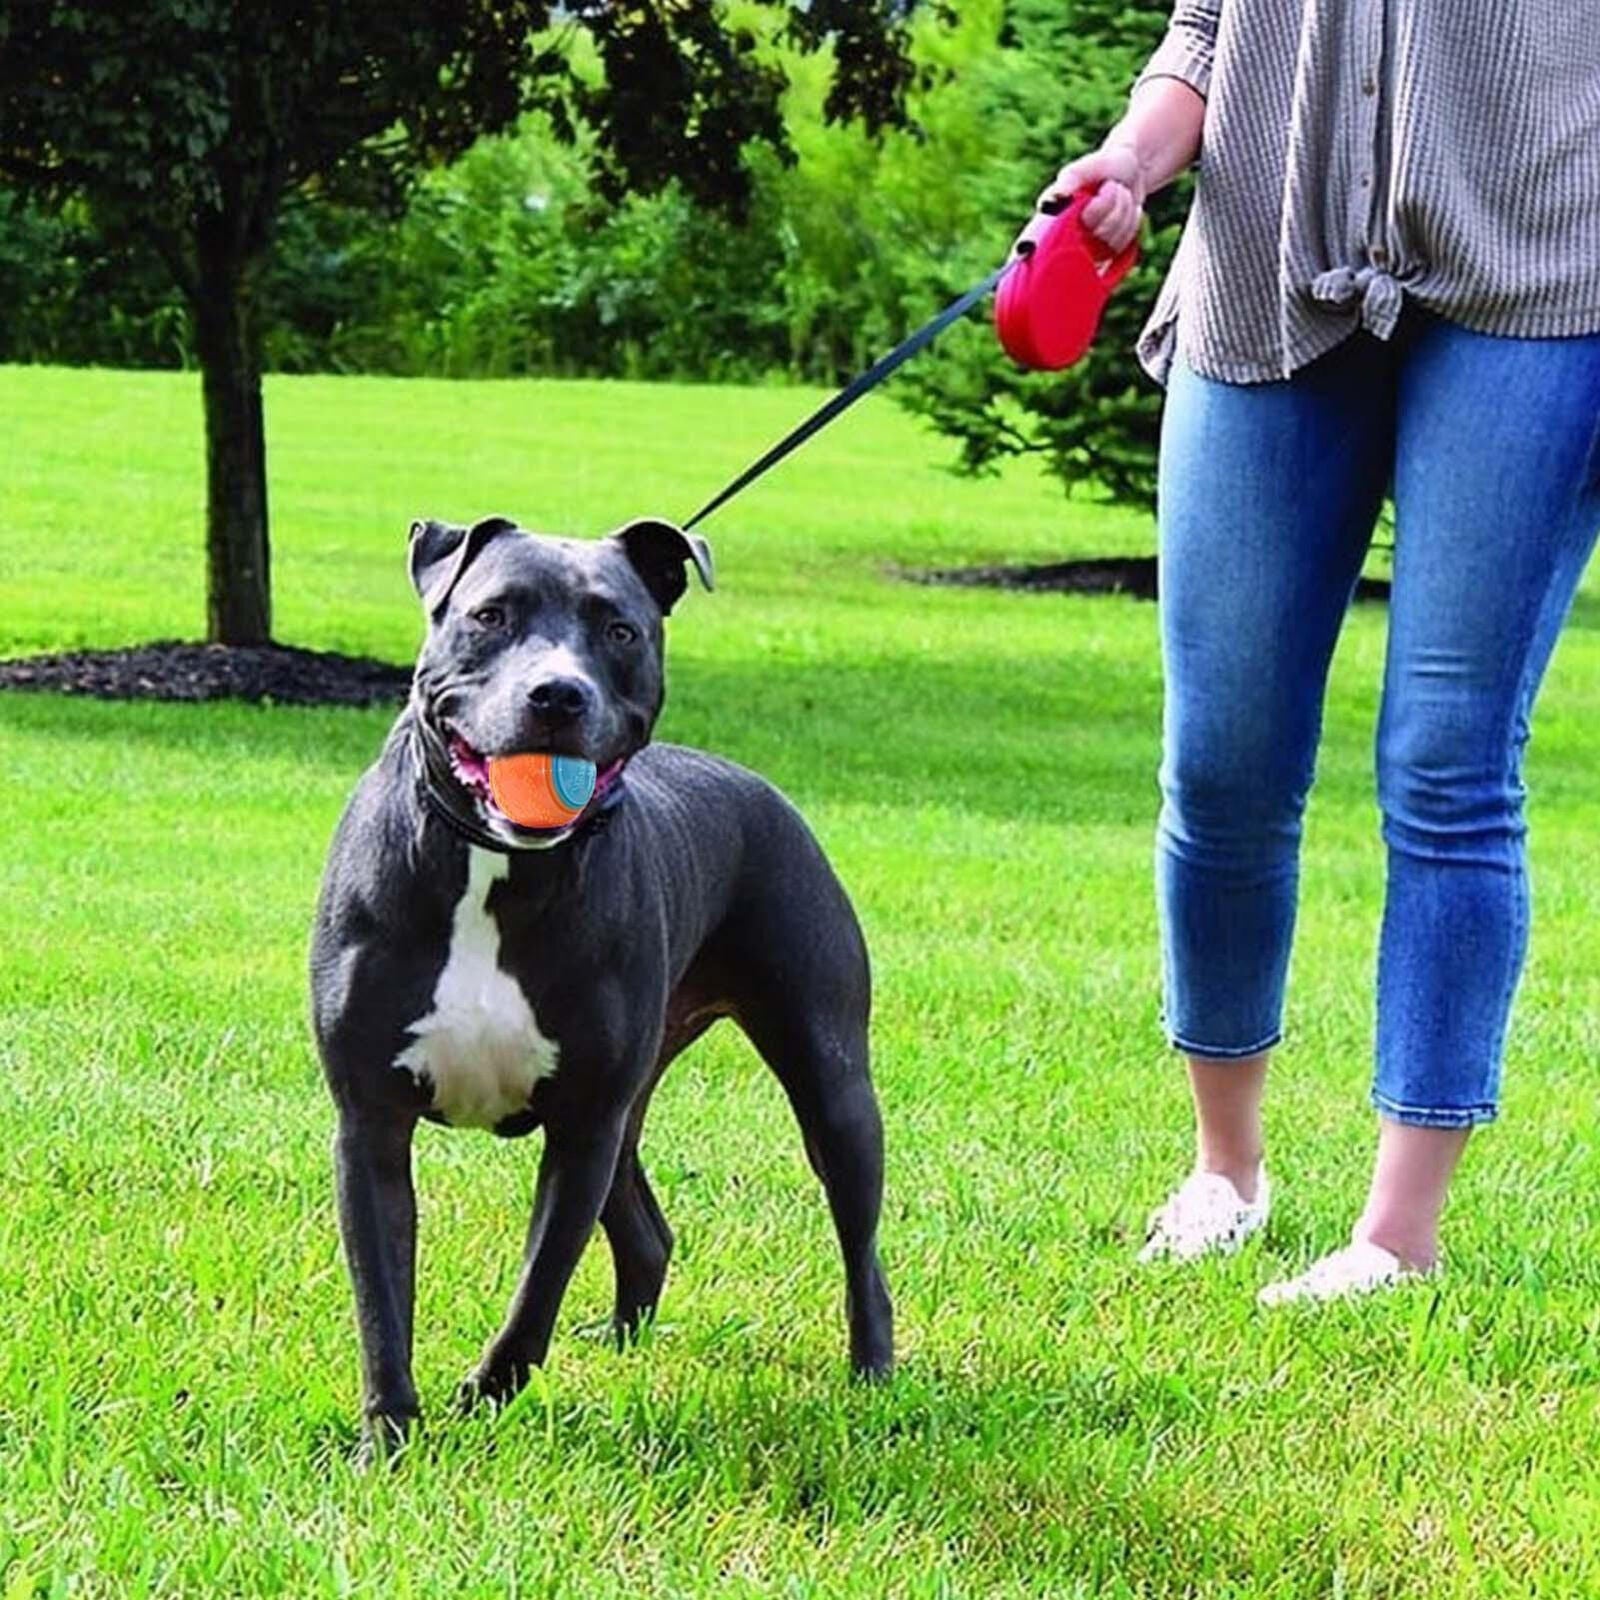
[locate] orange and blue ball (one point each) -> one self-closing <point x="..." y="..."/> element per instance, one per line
<point x="539" y="790"/>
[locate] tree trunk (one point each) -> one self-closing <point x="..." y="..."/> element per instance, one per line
<point x="228" y="342"/>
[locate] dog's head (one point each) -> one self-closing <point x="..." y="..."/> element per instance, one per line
<point x="540" y="644"/>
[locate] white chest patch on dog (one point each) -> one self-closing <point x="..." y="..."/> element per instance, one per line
<point x="479" y="1048"/>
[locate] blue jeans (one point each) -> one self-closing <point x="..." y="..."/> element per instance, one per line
<point x="1268" y="494"/>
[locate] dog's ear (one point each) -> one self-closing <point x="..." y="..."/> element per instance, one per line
<point x="657" y="551"/>
<point x="441" y="552"/>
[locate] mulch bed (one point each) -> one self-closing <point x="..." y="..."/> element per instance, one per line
<point x="274" y="674"/>
<point x="1130" y="575"/>
<point x="282" y="675"/>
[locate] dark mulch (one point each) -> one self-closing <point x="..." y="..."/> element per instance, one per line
<point x="283" y="675"/>
<point x="170" y="670"/>
<point x="1130" y="575"/>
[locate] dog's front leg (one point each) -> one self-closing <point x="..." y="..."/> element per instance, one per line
<point x="378" y="1220"/>
<point x="575" y="1176"/>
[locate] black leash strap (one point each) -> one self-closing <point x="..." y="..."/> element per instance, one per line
<point x="853" y="391"/>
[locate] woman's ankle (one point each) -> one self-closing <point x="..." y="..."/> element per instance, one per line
<point x="1241" y="1169"/>
<point x="1227" y="1105"/>
<point x="1409" y="1183"/>
<point x="1414" y="1246"/>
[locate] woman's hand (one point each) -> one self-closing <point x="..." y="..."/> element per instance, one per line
<point x="1156" y="140"/>
<point x="1114" y="214"/>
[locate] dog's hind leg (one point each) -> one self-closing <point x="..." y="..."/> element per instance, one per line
<point x="640" y="1240"/>
<point x="798" y="983"/>
<point x="821" y="1062"/>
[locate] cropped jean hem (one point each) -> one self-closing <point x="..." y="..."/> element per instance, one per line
<point x="1431" y="1117"/>
<point x="1211" y="1052"/>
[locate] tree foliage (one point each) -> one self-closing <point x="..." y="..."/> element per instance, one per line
<point x="187" y="124"/>
<point x="528" y="254"/>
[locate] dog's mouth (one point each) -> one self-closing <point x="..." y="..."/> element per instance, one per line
<point x="469" y="766"/>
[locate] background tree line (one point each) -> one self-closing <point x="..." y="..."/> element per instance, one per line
<point x="542" y="249"/>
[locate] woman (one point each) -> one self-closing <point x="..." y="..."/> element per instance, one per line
<point x="1390" y="280"/>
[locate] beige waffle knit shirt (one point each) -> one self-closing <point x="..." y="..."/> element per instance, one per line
<point x="1360" y="153"/>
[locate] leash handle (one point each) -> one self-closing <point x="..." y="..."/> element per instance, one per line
<point x="1114" y="265"/>
<point x="853" y="391"/>
<point x="1047" y="315"/>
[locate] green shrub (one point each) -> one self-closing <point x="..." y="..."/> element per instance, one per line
<point x="1055" y="84"/>
<point x="70" y="296"/>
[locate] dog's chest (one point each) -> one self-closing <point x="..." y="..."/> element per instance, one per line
<point x="479" y="1048"/>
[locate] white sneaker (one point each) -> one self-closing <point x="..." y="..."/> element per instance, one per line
<point x="1359" y="1268"/>
<point x="1205" y="1215"/>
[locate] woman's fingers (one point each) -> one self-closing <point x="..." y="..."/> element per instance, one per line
<point x="1083" y="173"/>
<point x="1113" y="215"/>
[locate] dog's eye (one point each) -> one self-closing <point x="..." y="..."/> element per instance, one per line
<point x="490" y="616"/>
<point x="621" y="632"/>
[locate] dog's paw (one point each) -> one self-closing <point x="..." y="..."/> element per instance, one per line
<point x="385" y="1438"/>
<point x="624" y="1333"/>
<point x="491" y="1384"/>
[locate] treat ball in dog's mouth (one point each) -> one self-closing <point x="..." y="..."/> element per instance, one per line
<point x="534" y="789"/>
<point x="538" y="790"/>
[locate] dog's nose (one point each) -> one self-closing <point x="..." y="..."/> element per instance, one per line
<point x="560" y="697"/>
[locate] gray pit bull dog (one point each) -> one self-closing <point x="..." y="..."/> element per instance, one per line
<point x="477" y="973"/>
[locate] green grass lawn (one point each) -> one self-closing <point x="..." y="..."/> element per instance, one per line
<point x="178" y="1384"/>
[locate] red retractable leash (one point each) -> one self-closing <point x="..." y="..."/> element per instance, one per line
<point x="1049" y="298"/>
<point x="1047" y="312"/>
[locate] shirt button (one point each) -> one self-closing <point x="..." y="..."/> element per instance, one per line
<point x="1379" y="258"/>
<point x="1369" y="86"/>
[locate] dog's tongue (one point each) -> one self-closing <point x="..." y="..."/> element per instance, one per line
<point x="538" y="790"/>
